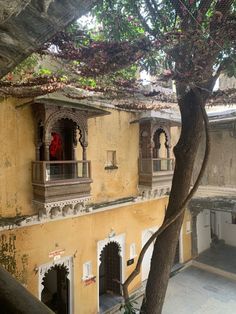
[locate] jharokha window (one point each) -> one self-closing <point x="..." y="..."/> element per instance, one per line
<point x="61" y="173"/>
<point x="161" y="150"/>
<point x="155" y="162"/>
<point x="61" y="169"/>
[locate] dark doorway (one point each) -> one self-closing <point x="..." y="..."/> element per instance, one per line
<point x="110" y="269"/>
<point x="55" y="293"/>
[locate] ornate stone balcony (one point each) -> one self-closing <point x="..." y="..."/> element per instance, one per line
<point x="156" y="174"/>
<point x="60" y="184"/>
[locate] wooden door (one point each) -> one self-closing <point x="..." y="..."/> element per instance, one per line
<point x="110" y="269"/>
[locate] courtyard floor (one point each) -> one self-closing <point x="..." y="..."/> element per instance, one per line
<point x="222" y="257"/>
<point x="197" y="291"/>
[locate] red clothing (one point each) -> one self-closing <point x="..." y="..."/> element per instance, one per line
<point x="56" y="147"/>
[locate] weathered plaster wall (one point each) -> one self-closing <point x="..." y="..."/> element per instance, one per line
<point x="114" y="133"/>
<point x="82" y="234"/>
<point x="16" y="154"/>
<point x="221" y="165"/>
<point x="26" y="248"/>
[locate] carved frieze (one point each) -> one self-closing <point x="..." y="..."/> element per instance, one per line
<point x="61" y="208"/>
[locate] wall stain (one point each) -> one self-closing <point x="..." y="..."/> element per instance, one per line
<point x="9" y="259"/>
<point x="12" y="204"/>
<point x="5" y="161"/>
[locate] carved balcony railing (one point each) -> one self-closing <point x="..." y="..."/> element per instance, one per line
<point x="156" y="172"/>
<point x="54" y="181"/>
<point x="153" y="165"/>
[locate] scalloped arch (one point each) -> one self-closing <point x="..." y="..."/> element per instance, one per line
<point x="165" y="131"/>
<point x="114" y="243"/>
<point x="80" y="121"/>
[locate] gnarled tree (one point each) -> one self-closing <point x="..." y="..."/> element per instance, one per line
<point x="194" y="41"/>
<point x="198" y="41"/>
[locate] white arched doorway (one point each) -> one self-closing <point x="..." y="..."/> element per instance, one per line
<point x="146" y="234"/>
<point x="102" y="246"/>
<point x="56" y="285"/>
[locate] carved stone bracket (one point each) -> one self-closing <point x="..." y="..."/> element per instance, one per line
<point x="147" y="193"/>
<point x="61" y="208"/>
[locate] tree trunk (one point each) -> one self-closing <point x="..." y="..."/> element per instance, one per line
<point x="165" y="246"/>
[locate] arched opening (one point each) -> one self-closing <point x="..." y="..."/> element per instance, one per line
<point x="160" y="150"/>
<point x="61" y="170"/>
<point x="56" y="294"/>
<point x="63" y="147"/>
<point x="160" y="139"/>
<point x="110" y="269"/>
<point x="63" y="140"/>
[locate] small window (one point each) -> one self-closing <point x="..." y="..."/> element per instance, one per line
<point x="87" y="270"/>
<point x="233" y="215"/>
<point x="111" y="160"/>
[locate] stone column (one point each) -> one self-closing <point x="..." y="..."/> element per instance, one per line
<point x="85" y="169"/>
<point x="46" y="151"/>
<point x="38" y="145"/>
<point x="168" y="156"/>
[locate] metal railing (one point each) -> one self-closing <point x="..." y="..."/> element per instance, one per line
<point x="154" y="165"/>
<point x="66" y="170"/>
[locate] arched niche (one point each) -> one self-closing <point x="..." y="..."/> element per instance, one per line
<point x="110" y="268"/>
<point x="161" y="143"/>
<point x="69" y="124"/>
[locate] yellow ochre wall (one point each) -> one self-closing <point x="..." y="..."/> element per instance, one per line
<point x="79" y="237"/>
<point x="17" y="151"/>
<point x="186" y="237"/>
<point x="114" y="133"/>
<point x="17" y="140"/>
<point x="26" y="248"/>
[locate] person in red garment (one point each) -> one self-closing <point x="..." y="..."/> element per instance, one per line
<point x="56" y="147"/>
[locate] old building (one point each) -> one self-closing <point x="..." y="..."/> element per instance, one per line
<point x="213" y="208"/>
<point x="82" y="188"/>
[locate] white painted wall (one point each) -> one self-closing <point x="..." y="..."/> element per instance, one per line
<point x="203" y="231"/>
<point x="146" y="234"/>
<point x="228" y="230"/>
